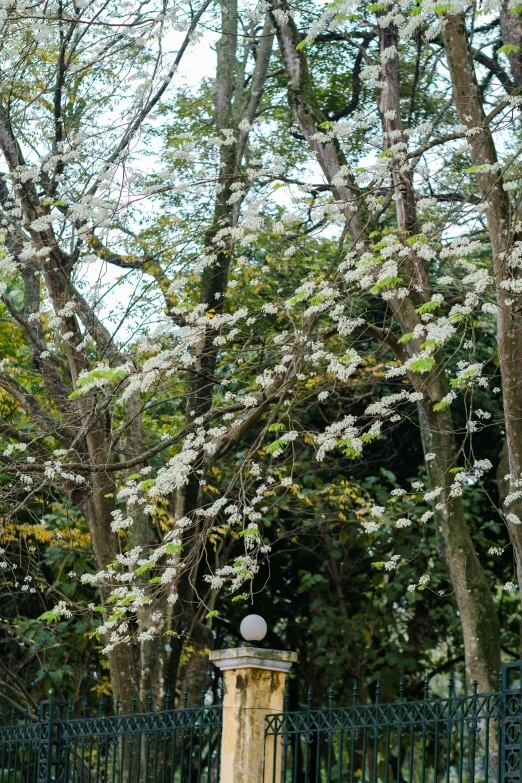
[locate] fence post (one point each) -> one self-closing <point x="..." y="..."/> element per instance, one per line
<point x="254" y="686"/>
<point x="510" y="734"/>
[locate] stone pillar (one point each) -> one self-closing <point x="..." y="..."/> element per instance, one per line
<point x="254" y="686"/>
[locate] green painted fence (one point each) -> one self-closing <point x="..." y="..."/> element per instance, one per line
<point x="166" y="746"/>
<point x="457" y="739"/>
<point x="473" y="738"/>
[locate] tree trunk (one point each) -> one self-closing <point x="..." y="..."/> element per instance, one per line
<point x="478" y="615"/>
<point x="468" y="102"/>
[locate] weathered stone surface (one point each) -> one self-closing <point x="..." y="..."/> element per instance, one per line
<point x="254" y="686"/>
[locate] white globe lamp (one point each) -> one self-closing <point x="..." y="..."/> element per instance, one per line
<point x="253" y="628"/>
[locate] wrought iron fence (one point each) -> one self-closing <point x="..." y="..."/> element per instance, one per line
<point x="473" y="738"/>
<point x="458" y="739"/>
<point x="167" y="746"/>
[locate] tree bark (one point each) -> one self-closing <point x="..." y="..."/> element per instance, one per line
<point x="468" y="102"/>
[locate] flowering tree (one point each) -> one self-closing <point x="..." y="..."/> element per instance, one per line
<point x="268" y="239"/>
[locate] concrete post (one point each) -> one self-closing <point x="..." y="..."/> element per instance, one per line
<point x="254" y="686"/>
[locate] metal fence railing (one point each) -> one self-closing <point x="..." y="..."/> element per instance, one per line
<point x="474" y="738"/>
<point x="167" y="746"/>
<point x="458" y="739"/>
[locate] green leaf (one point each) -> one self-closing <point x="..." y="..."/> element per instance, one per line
<point x="351" y="453"/>
<point x="439" y="406"/>
<point x="241" y="597"/>
<point x="442" y="8"/>
<point x="213" y="613"/>
<point x="431" y="344"/>
<point x="425" y="364"/>
<point x="382" y="244"/>
<point x="51" y="616"/>
<point x="300" y="297"/>
<point x="275" y="446"/>
<point x="117" y="615"/>
<point x="508" y="49"/>
<point x="173" y="549"/>
<point x="155" y="580"/>
<point x="388" y="282"/>
<point x="480" y="169"/>
<point x="145" y="567"/>
<point x="49" y="202"/>
<point x="457" y="470"/>
<point x="368" y="437"/>
<point x="406" y="337"/>
<point x="249" y="532"/>
<point x="110" y="374"/>
<point x="427" y="307"/>
<point x="315" y="300"/>
<point x="276" y="426"/>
